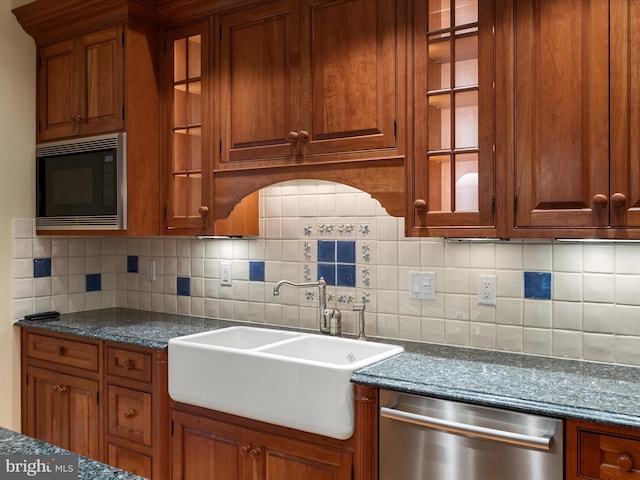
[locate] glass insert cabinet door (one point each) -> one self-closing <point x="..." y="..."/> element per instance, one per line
<point x="453" y="167"/>
<point x="188" y="179"/>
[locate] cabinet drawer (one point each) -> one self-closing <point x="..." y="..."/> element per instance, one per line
<point x="608" y="457"/>
<point x="65" y="352"/>
<point x="129" y="364"/>
<point x="129" y="460"/>
<point x="129" y="414"/>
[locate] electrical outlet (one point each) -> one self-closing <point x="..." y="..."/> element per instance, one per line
<point x="486" y="289"/>
<point x="225" y="273"/>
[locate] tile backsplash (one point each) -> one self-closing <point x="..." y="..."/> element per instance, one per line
<point x="578" y="300"/>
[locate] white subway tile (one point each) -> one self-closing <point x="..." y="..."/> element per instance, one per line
<point x="568" y="257"/>
<point x="598" y="288"/>
<point x="599" y="258"/>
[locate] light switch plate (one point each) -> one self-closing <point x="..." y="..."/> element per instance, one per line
<point x="422" y="285"/>
<point x="225" y="273"/>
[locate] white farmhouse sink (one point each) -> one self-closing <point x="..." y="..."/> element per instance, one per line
<point x="296" y="380"/>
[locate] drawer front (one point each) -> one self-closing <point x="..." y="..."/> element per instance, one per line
<point x="65" y="352"/>
<point x="609" y="457"/>
<point x="129" y="414"/>
<point x="130" y="364"/>
<point x="129" y="460"/>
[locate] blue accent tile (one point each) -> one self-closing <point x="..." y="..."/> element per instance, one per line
<point x="93" y="282"/>
<point x="537" y="285"/>
<point x="132" y="263"/>
<point x="256" y="271"/>
<point x="326" y="251"/>
<point x="41" y="267"/>
<point x="184" y="286"/>
<point x="346" y="252"/>
<point x="328" y="271"/>
<point x="346" y="275"/>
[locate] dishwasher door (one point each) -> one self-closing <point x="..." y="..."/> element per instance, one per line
<point x="424" y="438"/>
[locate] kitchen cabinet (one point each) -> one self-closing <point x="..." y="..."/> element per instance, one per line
<point x="218" y="445"/>
<point x="103" y="400"/>
<point x="602" y="452"/>
<point x="452" y="173"/>
<point x="60" y="393"/>
<point x="98" y="72"/>
<point x="80" y="85"/>
<point x="575" y="162"/>
<point x="312" y="89"/>
<point x="208" y="448"/>
<point x="189" y="174"/>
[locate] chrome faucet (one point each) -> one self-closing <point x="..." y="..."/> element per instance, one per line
<point x="359" y="307"/>
<point x="329" y="320"/>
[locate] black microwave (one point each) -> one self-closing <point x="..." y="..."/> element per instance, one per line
<point x="81" y="184"/>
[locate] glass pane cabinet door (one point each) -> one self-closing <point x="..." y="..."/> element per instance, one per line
<point x="453" y="165"/>
<point x="187" y="192"/>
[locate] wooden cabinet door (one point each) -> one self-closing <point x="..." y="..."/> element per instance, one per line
<point x="259" y="78"/>
<point x="102" y="58"/>
<point x="349" y="79"/>
<point x="625" y="113"/>
<point x="454" y="114"/>
<point x="63" y="410"/>
<point x="188" y="196"/>
<point x="81" y="85"/>
<point x="205" y="448"/>
<point x="284" y="458"/>
<point x="562" y="113"/>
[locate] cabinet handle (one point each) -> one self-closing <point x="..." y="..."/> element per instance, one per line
<point x="420" y="205"/>
<point x="130" y="413"/>
<point x="293" y="137"/>
<point x="203" y="210"/>
<point x="255" y="452"/>
<point x="303" y="135"/>
<point x="599" y="200"/>
<point x="60" y="351"/>
<point x="618" y="200"/>
<point x="245" y="450"/>
<point x="625" y="462"/>
<point x="129" y="364"/>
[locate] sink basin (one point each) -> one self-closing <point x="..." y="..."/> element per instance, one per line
<point x="296" y="380"/>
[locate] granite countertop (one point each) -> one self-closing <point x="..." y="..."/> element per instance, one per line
<point x="547" y="386"/>
<point x="12" y="443"/>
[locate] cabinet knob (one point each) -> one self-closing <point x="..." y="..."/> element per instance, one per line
<point x="625" y="462"/>
<point x="245" y="450"/>
<point x="60" y="351"/>
<point x="304" y="136"/>
<point x="420" y="204"/>
<point x="130" y="413"/>
<point x="255" y="452"/>
<point x="203" y="210"/>
<point x="129" y="364"/>
<point x="618" y="200"/>
<point x="293" y="137"/>
<point x="599" y="200"/>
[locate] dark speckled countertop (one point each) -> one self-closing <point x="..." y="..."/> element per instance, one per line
<point x="12" y="443"/>
<point x="548" y="386"/>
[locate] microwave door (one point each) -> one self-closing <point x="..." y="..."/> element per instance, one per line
<point x="73" y="185"/>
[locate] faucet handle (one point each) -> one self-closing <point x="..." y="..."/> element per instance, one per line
<point x="358" y="307"/>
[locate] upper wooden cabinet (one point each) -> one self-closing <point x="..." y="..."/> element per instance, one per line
<point x="80" y="85"/>
<point x="303" y="79"/>
<point x="452" y="173"/>
<point x="312" y="89"/>
<point x="576" y="168"/>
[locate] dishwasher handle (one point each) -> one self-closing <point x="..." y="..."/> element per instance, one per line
<point x="539" y="443"/>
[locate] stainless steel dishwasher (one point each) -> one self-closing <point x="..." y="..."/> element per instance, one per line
<point x="424" y="438"/>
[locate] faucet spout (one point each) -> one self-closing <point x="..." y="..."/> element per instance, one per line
<point x="323" y="312"/>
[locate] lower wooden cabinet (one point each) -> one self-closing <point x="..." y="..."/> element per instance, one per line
<point x="103" y="400"/>
<point x="602" y="452"/>
<point x="218" y="446"/>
